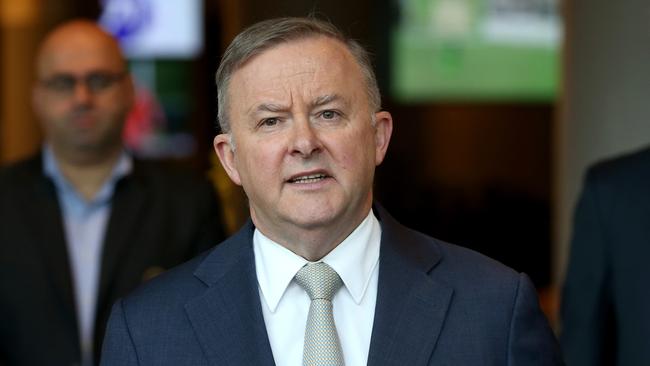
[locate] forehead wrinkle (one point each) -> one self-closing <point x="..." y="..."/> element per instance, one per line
<point x="279" y="92"/>
<point x="267" y="107"/>
<point x="257" y="108"/>
<point x="328" y="98"/>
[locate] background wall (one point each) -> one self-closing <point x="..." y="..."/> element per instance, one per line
<point x="19" y="31"/>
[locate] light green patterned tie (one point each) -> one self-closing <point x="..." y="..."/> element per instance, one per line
<point x="322" y="346"/>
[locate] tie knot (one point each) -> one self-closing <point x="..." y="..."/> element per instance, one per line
<point x="319" y="280"/>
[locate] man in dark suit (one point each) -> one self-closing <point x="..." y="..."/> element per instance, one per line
<point x="606" y="303"/>
<point x="82" y="223"/>
<point x="320" y="275"/>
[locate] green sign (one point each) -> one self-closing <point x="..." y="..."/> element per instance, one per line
<point x="461" y="50"/>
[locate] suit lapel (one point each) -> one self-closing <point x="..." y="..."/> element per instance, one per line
<point x="49" y="238"/>
<point x="411" y="306"/>
<point x="227" y="317"/>
<point x="126" y="208"/>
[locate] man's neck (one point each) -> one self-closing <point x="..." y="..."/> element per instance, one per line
<point x="87" y="174"/>
<point x="311" y="244"/>
<point x="314" y="245"/>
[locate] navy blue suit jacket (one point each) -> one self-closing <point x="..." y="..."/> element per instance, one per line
<point x="437" y="304"/>
<point x="606" y="298"/>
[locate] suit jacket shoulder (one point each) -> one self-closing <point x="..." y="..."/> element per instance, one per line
<point x="604" y="291"/>
<point x="626" y="171"/>
<point x="20" y="173"/>
<point x="206" y="311"/>
<point x="439" y="303"/>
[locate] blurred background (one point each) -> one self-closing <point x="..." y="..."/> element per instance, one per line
<point x="499" y="105"/>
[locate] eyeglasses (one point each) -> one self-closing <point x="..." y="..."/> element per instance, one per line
<point x="95" y="82"/>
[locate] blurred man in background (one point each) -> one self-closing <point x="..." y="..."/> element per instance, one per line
<point x="83" y="223"/>
<point x="606" y="298"/>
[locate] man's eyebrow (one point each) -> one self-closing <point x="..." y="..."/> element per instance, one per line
<point x="328" y="98"/>
<point x="275" y="108"/>
<point x="269" y="107"/>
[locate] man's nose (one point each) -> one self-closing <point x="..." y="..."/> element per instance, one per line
<point x="82" y="95"/>
<point x="305" y="139"/>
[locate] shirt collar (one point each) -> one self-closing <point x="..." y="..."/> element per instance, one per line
<point x="122" y="167"/>
<point x="354" y="260"/>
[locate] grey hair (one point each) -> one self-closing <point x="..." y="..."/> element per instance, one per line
<point x="266" y="34"/>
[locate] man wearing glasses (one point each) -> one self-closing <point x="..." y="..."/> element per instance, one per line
<point x="83" y="223"/>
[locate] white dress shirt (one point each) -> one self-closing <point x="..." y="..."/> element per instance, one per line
<point x="285" y="304"/>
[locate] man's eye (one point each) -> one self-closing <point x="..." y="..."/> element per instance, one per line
<point x="329" y="114"/>
<point x="98" y="82"/>
<point x="61" y="83"/>
<point x="269" y="122"/>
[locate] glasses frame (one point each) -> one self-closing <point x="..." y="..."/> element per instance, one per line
<point x="95" y="82"/>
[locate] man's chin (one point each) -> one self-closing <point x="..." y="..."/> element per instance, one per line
<point x="331" y="219"/>
<point x="93" y="148"/>
<point x="313" y="221"/>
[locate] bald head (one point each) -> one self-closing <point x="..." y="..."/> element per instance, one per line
<point x="75" y="39"/>
<point x="83" y="91"/>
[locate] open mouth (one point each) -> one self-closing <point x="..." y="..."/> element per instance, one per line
<point x="305" y="179"/>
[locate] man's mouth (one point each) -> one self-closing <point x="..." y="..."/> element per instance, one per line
<point x="305" y="179"/>
<point x="84" y="120"/>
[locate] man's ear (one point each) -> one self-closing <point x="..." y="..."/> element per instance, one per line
<point x="225" y="149"/>
<point x="383" y="132"/>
